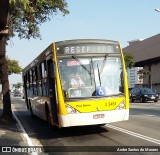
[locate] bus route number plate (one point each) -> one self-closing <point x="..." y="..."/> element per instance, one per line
<point x="98" y="116"/>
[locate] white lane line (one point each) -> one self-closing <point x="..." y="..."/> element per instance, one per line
<point x="156" y="141"/>
<point x="25" y="135"/>
<point x="146" y="115"/>
<point x="151" y="115"/>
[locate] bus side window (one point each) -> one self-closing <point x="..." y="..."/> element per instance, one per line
<point x="31" y="82"/>
<point x="27" y="83"/>
<point x="40" y="92"/>
<point x="44" y="78"/>
<point x="44" y="69"/>
<point x="34" y="81"/>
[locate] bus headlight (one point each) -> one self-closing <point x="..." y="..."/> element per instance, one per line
<point x="121" y="105"/>
<point x="71" y="110"/>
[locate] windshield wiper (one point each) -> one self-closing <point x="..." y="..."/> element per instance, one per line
<point x="74" y="57"/>
<point x="103" y="63"/>
<point x="101" y="69"/>
<point x="99" y="75"/>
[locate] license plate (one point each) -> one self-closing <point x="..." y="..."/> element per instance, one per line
<point x="98" y="116"/>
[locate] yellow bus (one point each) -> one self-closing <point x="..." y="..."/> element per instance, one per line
<point x="77" y="83"/>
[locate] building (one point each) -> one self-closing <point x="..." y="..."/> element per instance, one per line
<point x="133" y="77"/>
<point x="147" y="55"/>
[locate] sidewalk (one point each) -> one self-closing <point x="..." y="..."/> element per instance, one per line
<point x="10" y="134"/>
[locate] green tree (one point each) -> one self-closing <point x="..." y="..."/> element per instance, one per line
<point x="129" y="60"/>
<point x="25" y="17"/>
<point x="13" y="67"/>
<point x="143" y="74"/>
<point x="17" y="85"/>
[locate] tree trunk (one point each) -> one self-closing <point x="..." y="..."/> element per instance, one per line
<point x="7" y="112"/>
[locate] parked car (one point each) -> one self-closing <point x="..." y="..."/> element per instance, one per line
<point x="16" y="94"/>
<point x="143" y="94"/>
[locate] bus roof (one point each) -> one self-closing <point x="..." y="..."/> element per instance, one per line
<point x="48" y="50"/>
<point x="81" y="41"/>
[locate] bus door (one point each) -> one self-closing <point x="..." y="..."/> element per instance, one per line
<point x="52" y="90"/>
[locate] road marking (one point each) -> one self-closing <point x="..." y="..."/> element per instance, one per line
<point x="150" y="115"/>
<point x="156" y="141"/>
<point x="147" y="115"/>
<point x="25" y="135"/>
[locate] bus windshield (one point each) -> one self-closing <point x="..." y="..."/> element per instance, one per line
<point x="91" y="76"/>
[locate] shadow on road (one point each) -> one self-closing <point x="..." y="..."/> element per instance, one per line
<point x="36" y="127"/>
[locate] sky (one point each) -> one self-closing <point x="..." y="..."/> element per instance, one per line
<point x="119" y="20"/>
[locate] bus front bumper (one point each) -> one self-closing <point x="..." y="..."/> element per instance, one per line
<point x="93" y="118"/>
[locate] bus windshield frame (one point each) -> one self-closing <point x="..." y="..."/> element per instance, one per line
<point x="102" y="75"/>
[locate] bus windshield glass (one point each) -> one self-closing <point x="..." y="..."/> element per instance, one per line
<point x="91" y="76"/>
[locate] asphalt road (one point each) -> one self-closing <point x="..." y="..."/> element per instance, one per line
<point x="141" y="130"/>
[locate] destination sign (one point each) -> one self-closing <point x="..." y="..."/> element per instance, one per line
<point x="89" y="48"/>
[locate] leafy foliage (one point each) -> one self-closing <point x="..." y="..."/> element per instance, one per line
<point x="143" y="73"/>
<point x="13" y="66"/>
<point x="17" y="86"/>
<point x="129" y="60"/>
<point x="25" y="16"/>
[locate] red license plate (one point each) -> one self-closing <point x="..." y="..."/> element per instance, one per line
<point x="98" y="116"/>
